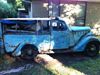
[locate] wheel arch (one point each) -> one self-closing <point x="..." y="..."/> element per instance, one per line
<point x="27" y="45"/>
<point x="18" y="50"/>
<point x="84" y="42"/>
<point x="92" y="48"/>
<point x="94" y="41"/>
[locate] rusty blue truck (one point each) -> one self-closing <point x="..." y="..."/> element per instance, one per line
<point x="28" y="36"/>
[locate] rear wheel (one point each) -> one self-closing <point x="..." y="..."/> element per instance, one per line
<point x="92" y="49"/>
<point x="28" y="52"/>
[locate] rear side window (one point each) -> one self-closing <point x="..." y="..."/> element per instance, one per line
<point x="43" y="27"/>
<point x="36" y="26"/>
<point x="31" y="27"/>
<point x="20" y="27"/>
<point x="46" y="27"/>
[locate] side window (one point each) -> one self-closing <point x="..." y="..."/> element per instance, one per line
<point x="46" y="26"/>
<point x="27" y="28"/>
<point x="43" y="27"/>
<point x="36" y="26"/>
<point x="59" y="26"/>
<point x="20" y="27"/>
<point x="10" y="27"/>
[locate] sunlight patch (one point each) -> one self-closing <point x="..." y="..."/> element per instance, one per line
<point x="56" y="66"/>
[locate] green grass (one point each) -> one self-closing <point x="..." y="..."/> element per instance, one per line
<point x="36" y="70"/>
<point x="88" y="66"/>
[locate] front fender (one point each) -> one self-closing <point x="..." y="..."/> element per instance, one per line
<point x="83" y="43"/>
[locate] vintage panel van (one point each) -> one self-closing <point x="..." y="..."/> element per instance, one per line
<point x="26" y="37"/>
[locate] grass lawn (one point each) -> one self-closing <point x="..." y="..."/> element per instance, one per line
<point x="74" y="65"/>
<point x="88" y="66"/>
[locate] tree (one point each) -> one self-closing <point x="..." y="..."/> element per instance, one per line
<point x="15" y="3"/>
<point x="19" y="3"/>
<point x="6" y="10"/>
<point x="11" y="2"/>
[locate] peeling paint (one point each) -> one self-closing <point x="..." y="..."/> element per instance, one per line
<point x="55" y="40"/>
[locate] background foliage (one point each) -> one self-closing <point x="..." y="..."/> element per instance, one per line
<point x="9" y="9"/>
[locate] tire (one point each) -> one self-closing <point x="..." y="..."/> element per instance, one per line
<point x="92" y="49"/>
<point x="28" y="52"/>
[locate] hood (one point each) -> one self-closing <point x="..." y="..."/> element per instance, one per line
<point x="80" y="28"/>
<point x="80" y="32"/>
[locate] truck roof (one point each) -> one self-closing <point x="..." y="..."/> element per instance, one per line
<point x="27" y="19"/>
<point x="24" y="20"/>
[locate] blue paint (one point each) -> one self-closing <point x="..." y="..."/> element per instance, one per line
<point x="38" y="41"/>
<point x="82" y="43"/>
<point x="75" y="37"/>
<point x="59" y="38"/>
<point x="79" y="28"/>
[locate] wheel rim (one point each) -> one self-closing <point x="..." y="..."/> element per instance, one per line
<point x="27" y="54"/>
<point x="92" y="49"/>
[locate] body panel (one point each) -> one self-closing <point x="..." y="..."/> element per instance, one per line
<point x="59" y="38"/>
<point x="79" y="28"/>
<point x="12" y="41"/>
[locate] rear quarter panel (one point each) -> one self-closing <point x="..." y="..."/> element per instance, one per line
<point x="14" y="43"/>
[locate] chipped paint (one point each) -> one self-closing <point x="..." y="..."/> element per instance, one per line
<point x="75" y="38"/>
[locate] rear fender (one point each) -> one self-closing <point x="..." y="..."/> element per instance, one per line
<point x="17" y="51"/>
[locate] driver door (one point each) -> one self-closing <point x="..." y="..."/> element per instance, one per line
<point x="59" y="35"/>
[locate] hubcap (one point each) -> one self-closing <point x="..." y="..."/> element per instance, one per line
<point x="92" y="48"/>
<point x="29" y="52"/>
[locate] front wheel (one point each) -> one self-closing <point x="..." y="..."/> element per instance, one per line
<point x="92" y="49"/>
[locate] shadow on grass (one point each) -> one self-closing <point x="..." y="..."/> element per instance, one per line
<point x="79" y="62"/>
<point x="74" y="63"/>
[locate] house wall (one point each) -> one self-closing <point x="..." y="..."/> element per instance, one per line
<point x="45" y="8"/>
<point x="39" y="9"/>
<point x="93" y="14"/>
<point x="73" y="12"/>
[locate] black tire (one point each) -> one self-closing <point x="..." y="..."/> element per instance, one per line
<point x="28" y="52"/>
<point x="92" y="49"/>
